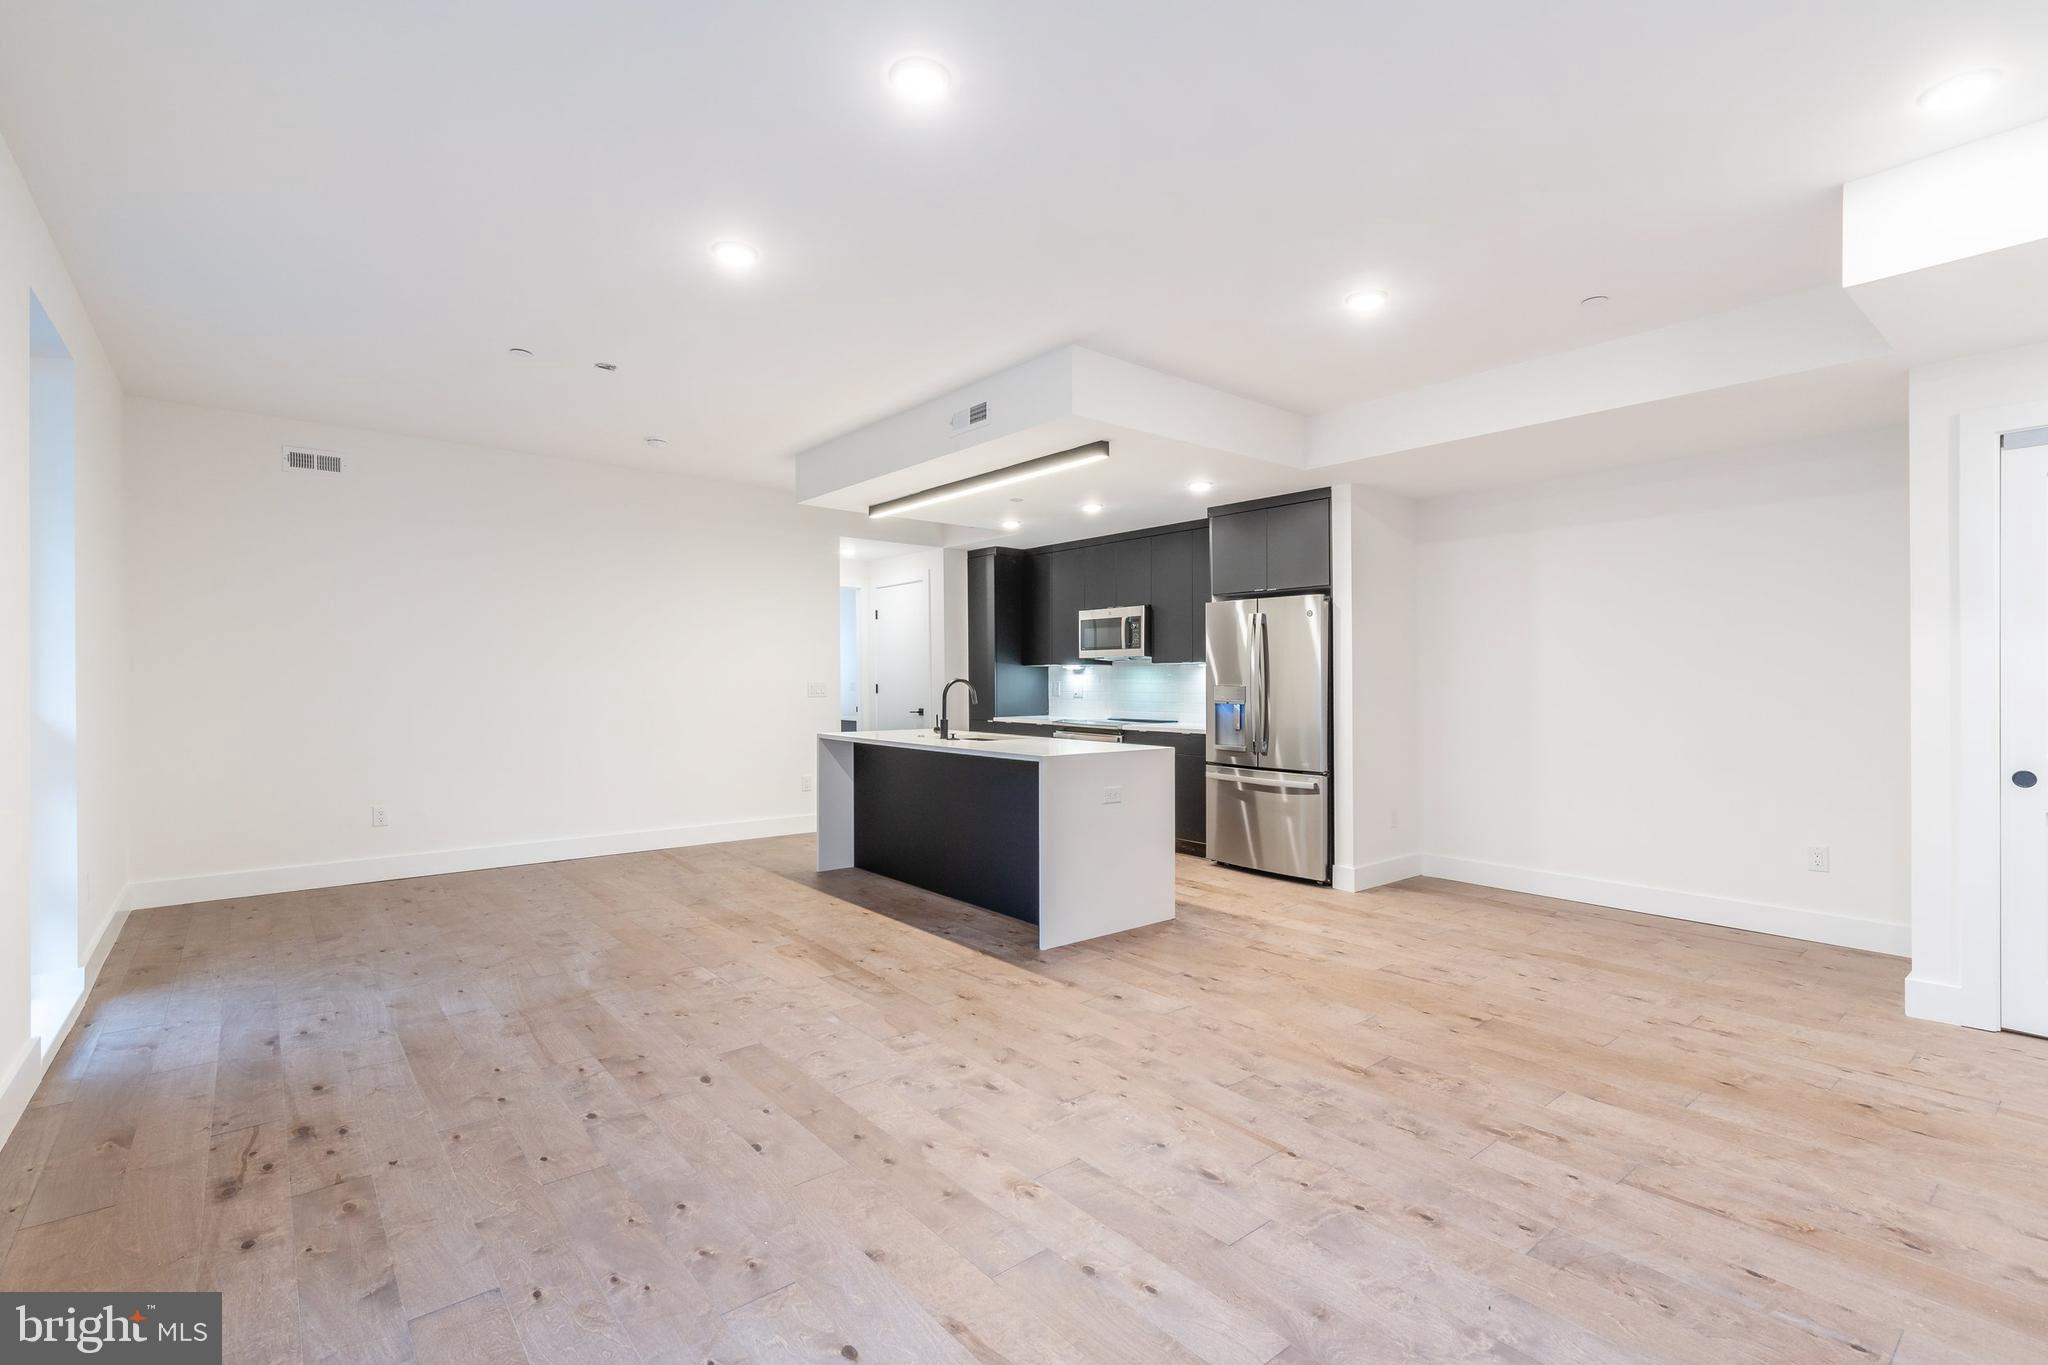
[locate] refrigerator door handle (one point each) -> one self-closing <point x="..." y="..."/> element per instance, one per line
<point x="1289" y="784"/>
<point x="1253" y="701"/>
<point x="1266" y="688"/>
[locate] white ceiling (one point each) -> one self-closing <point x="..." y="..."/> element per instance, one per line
<point x="347" y="213"/>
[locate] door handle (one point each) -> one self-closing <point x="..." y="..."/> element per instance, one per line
<point x="1266" y="692"/>
<point x="2023" y="778"/>
<point x="1291" y="784"/>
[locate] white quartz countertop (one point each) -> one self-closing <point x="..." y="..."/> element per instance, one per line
<point x="1162" y="726"/>
<point x="988" y="746"/>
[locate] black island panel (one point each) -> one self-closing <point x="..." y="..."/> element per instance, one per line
<point x="962" y="826"/>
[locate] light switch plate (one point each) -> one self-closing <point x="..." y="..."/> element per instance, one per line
<point x="815" y="690"/>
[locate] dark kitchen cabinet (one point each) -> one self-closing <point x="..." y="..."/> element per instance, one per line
<point x="999" y="610"/>
<point x="1134" y="572"/>
<point x="1056" y="581"/>
<point x="1298" y="546"/>
<point x="1280" y="545"/>
<point x="1167" y="570"/>
<point x="1237" y="552"/>
<point x="1172" y="630"/>
<point x="1098" y="577"/>
<point x="1190" y="792"/>
<point x="1180" y="589"/>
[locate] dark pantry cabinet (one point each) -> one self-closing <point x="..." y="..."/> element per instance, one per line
<point x="998" y="628"/>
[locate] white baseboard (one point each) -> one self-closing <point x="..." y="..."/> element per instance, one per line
<point x="1817" y="926"/>
<point x="267" y="881"/>
<point x="1365" y="876"/>
<point x="1947" y="1002"/>
<point x="25" y="1071"/>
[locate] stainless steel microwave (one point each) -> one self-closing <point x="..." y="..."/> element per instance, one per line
<point x="1116" y="633"/>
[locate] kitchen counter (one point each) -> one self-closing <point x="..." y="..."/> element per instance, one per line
<point x="1074" y="836"/>
<point x="979" y="742"/>
<point x="1162" y="726"/>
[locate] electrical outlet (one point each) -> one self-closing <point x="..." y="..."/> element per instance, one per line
<point x="379" y="817"/>
<point x="1817" y="858"/>
<point x="815" y="690"/>
<point x="803" y="784"/>
<point x="1112" y="796"/>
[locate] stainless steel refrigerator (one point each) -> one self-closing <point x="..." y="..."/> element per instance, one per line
<point x="1268" y="775"/>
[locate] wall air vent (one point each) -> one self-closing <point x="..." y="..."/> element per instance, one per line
<point x="313" y="461"/>
<point x="970" y="417"/>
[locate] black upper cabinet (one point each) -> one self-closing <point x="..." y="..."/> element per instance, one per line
<point x="1038" y="640"/>
<point x="1134" y="572"/>
<point x="1237" y="552"/>
<point x="1278" y="547"/>
<point x="1171" y="562"/>
<point x="1063" y="621"/>
<point x="1298" y="546"/>
<point x="1167" y="571"/>
<point x="1098" y="578"/>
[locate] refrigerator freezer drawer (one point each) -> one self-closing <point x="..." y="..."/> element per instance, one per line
<point x="1271" y="822"/>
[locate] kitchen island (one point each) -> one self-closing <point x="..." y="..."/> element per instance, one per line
<point x="1074" y="836"/>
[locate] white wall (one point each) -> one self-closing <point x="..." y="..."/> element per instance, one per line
<point x="1654" y="688"/>
<point x="518" y="656"/>
<point x="1954" y="694"/>
<point x="1378" y="831"/>
<point x="29" y="263"/>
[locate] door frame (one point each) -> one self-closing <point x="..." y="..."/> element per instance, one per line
<point x="1975" y="790"/>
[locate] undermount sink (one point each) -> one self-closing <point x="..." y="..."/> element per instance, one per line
<point x="971" y="739"/>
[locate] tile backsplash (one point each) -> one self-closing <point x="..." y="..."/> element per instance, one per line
<point x="1171" y="692"/>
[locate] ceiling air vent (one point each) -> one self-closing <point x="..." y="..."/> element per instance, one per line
<point x="316" y="461"/>
<point x="970" y="417"/>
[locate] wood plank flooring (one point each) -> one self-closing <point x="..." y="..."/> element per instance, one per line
<point x="706" y="1105"/>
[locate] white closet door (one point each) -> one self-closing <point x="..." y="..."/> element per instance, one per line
<point x="2023" y="733"/>
<point x="903" y="657"/>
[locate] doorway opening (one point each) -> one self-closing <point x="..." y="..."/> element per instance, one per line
<point x="890" y="648"/>
<point x="56" y="978"/>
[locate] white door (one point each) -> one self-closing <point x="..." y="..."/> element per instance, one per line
<point x="902" y="657"/>
<point x="2023" y="733"/>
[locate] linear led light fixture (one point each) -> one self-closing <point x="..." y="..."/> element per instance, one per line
<point x="995" y="478"/>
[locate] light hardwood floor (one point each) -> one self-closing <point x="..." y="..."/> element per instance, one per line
<point x="706" y="1105"/>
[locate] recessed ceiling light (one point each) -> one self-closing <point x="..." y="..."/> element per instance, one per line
<point x="735" y="255"/>
<point x="1958" y="94"/>
<point x="921" y="80"/>
<point x="521" y="352"/>
<point x="1091" y="508"/>
<point x="1363" y="301"/>
<point x="1593" y="301"/>
<point x="1011" y="523"/>
<point x="1200" y="486"/>
<point x="656" y="441"/>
